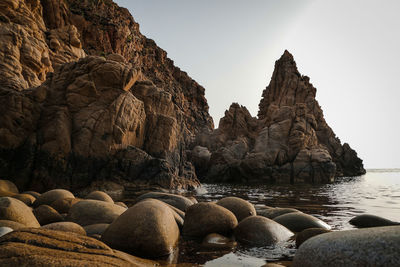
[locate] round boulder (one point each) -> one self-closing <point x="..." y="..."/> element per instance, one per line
<point x="205" y="218"/>
<point x="146" y="229"/>
<point x="51" y="196"/>
<point x="275" y="212"/>
<point x="32" y="193"/>
<point x="308" y="233"/>
<point x="46" y="214"/>
<point x="261" y="231"/>
<point x="378" y="246"/>
<point x="96" y="229"/>
<point x="26" y="198"/>
<point x="65" y="227"/>
<point x="177" y="201"/>
<point x="99" y="195"/>
<point x="63" y="205"/>
<point x="240" y="207"/>
<point x="298" y="221"/>
<point x="15" y="210"/>
<point x="87" y="212"/>
<point x="367" y="220"/>
<point x="7" y="188"/>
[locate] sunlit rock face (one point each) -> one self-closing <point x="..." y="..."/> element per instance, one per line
<point x="289" y="142"/>
<point x="85" y="97"/>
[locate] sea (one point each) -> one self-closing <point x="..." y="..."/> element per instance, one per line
<point x="377" y="192"/>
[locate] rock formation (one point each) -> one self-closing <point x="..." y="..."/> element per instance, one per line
<point x="289" y="142"/>
<point x="84" y="96"/>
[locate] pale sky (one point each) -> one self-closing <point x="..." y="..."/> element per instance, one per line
<point x="349" y="49"/>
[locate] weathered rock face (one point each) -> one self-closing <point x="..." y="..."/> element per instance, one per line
<point x="67" y="120"/>
<point x="289" y="142"/>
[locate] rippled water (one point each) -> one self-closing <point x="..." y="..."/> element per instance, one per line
<point x="377" y="192"/>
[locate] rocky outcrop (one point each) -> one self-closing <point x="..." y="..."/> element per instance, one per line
<point x="85" y="97"/>
<point x="289" y="142"/>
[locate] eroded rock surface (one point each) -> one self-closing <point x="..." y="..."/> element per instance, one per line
<point x="289" y="142"/>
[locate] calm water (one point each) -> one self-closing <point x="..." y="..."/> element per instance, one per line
<point x="377" y="192"/>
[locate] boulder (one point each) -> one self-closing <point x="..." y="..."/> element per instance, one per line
<point x="63" y="205"/>
<point x="378" y="246"/>
<point x="206" y="218"/>
<point x="367" y="220"/>
<point x="261" y="231"/>
<point x="32" y="193"/>
<point x="51" y="196"/>
<point x="308" y="233"/>
<point x="7" y="188"/>
<point x="298" y="221"/>
<point x="88" y="212"/>
<point x="178" y="201"/>
<point x="5" y="230"/>
<point x="15" y="210"/>
<point x="99" y="195"/>
<point x="148" y="229"/>
<point x="11" y="224"/>
<point x="46" y="214"/>
<point x="65" y="227"/>
<point x="240" y="207"/>
<point x="275" y="212"/>
<point x="26" y="198"/>
<point x="43" y="247"/>
<point x="96" y="229"/>
<point x="122" y="204"/>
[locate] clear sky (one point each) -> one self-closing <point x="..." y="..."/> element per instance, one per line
<point x="349" y="49"/>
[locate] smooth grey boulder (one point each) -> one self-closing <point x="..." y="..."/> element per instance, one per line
<point x="100" y="195"/>
<point x="298" y="221"/>
<point x="275" y="212"/>
<point x="378" y="246"/>
<point x="261" y="231"/>
<point x="15" y="210"/>
<point x="368" y="220"/>
<point x="178" y="201"/>
<point x="240" y="207"/>
<point x="51" y="196"/>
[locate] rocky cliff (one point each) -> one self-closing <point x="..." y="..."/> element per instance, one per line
<point x="289" y="142"/>
<point x="85" y="97"/>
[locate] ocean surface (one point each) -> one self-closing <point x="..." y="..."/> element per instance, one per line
<point x="377" y="192"/>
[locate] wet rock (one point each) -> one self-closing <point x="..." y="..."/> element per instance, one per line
<point x="148" y="229"/>
<point x="308" y="233"/>
<point x="26" y="198"/>
<point x="96" y="229"/>
<point x="298" y="221"/>
<point x="63" y="205"/>
<point x="46" y="214"/>
<point x="378" y="246"/>
<point x="275" y="212"/>
<point x="51" y="196"/>
<point x="15" y="210"/>
<point x="367" y="220"/>
<point x="87" y="212"/>
<point x="205" y="218"/>
<point x="261" y="231"/>
<point x="5" y="230"/>
<point x="99" y="195"/>
<point x="65" y="227"/>
<point x="179" y="202"/>
<point x="217" y="242"/>
<point x="7" y="188"/>
<point x="240" y="207"/>
<point x="11" y="224"/>
<point x="43" y="247"/>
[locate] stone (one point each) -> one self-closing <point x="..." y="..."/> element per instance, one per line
<point x="206" y="218"/>
<point x="96" y="229"/>
<point x="44" y="247"/>
<point x="32" y="193"/>
<point x="5" y="230"/>
<point x="275" y="212"/>
<point x="368" y="220"/>
<point x="15" y="210"/>
<point x="7" y="188"/>
<point x="288" y="142"/>
<point x="46" y="214"/>
<point x="63" y="205"/>
<point x="298" y="221"/>
<point x="28" y="199"/>
<point x="98" y="195"/>
<point x="147" y="229"/>
<point x="261" y="231"/>
<point x="11" y="224"/>
<point x="176" y="201"/>
<point x="51" y="196"/>
<point x="218" y="242"/>
<point x="122" y="204"/>
<point x="240" y="207"/>
<point x="308" y="233"/>
<point x="65" y="227"/>
<point x="87" y="212"/>
<point x="378" y="246"/>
